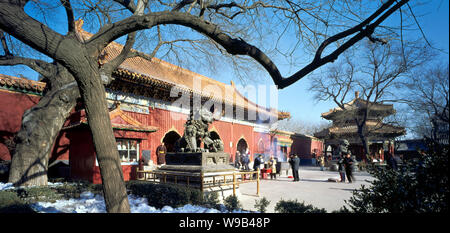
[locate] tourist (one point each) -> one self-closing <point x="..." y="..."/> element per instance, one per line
<point x="237" y="160"/>
<point x="257" y="162"/>
<point x="294" y="161"/>
<point x="321" y="161"/>
<point x="273" y="167"/>
<point x="245" y="161"/>
<point x="161" y="152"/>
<point x="314" y="158"/>
<point x="349" y="167"/>
<point x="341" y="168"/>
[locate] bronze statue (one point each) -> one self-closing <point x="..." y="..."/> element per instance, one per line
<point x="195" y="131"/>
<point x="343" y="148"/>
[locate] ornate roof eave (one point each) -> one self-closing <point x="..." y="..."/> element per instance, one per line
<point x="23" y="85"/>
<point x="377" y="109"/>
<point x="283" y="115"/>
<point x="335" y="132"/>
<point x="132" y="124"/>
<point x="343" y="114"/>
<point x="115" y="126"/>
<point x="152" y="82"/>
<point x="140" y="71"/>
<point x="281" y="132"/>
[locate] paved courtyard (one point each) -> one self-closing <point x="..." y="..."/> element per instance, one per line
<point x="313" y="188"/>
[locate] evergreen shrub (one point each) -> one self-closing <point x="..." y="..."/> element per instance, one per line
<point x="10" y="202"/>
<point x="293" y="206"/>
<point x="160" y="195"/>
<point x="418" y="186"/>
<point x="262" y="204"/>
<point x="232" y="203"/>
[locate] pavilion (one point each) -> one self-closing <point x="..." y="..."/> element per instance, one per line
<point x="380" y="135"/>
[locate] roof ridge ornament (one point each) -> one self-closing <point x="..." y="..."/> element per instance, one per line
<point x="79" y="24"/>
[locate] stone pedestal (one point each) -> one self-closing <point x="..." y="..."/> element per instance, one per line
<point x="211" y="165"/>
<point x="198" y="162"/>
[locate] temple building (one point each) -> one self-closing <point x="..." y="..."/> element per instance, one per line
<point x="307" y="147"/>
<point x="143" y="116"/>
<point x="380" y="136"/>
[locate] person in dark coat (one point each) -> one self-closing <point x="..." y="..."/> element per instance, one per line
<point x="341" y="168"/>
<point x="294" y="161"/>
<point x="245" y="161"/>
<point x="349" y="163"/>
<point x="257" y="162"/>
<point x="391" y="161"/>
<point x="237" y="160"/>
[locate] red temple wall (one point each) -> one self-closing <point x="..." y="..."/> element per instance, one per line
<point x="83" y="158"/>
<point x="262" y="143"/>
<point x="304" y="147"/>
<point x="76" y="144"/>
<point x="318" y="146"/>
<point x="225" y="132"/>
<point x="82" y="154"/>
<point x="13" y="105"/>
<point x="165" y="121"/>
<point x="61" y="148"/>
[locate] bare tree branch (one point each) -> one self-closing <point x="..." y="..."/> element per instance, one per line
<point x="109" y="67"/>
<point x="240" y="47"/>
<point x="127" y="4"/>
<point x="44" y="68"/>
<point x="69" y="13"/>
<point x="4" y="44"/>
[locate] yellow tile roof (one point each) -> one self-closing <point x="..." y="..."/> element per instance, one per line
<point x="159" y="71"/>
<point x="24" y="84"/>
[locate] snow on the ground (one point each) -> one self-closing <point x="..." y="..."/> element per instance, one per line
<point x="6" y="186"/>
<point x="91" y="203"/>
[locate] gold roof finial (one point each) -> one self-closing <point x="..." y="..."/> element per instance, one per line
<point x="79" y="24"/>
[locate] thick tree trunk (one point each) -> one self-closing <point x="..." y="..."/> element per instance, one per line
<point x="93" y="93"/>
<point x="364" y="142"/>
<point x="42" y="123"/>
<point x="40" y="126"/>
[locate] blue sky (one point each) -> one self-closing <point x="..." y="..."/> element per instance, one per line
<point x="433" y="19"/>
<point x="296" y="99"/>
<point x="299" y="101"/>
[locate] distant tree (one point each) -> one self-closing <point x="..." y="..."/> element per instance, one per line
<point x="430" y="101"/>
<point x="301" y="127"/>
<point x="376" y="74"/>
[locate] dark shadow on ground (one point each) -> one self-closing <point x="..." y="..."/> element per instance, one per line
<point x="311" y="180"/>
<point x="344" y="189"/>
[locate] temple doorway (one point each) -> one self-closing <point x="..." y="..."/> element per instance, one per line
<point x="169" y="140"/>
<point x="242" y="146"/>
